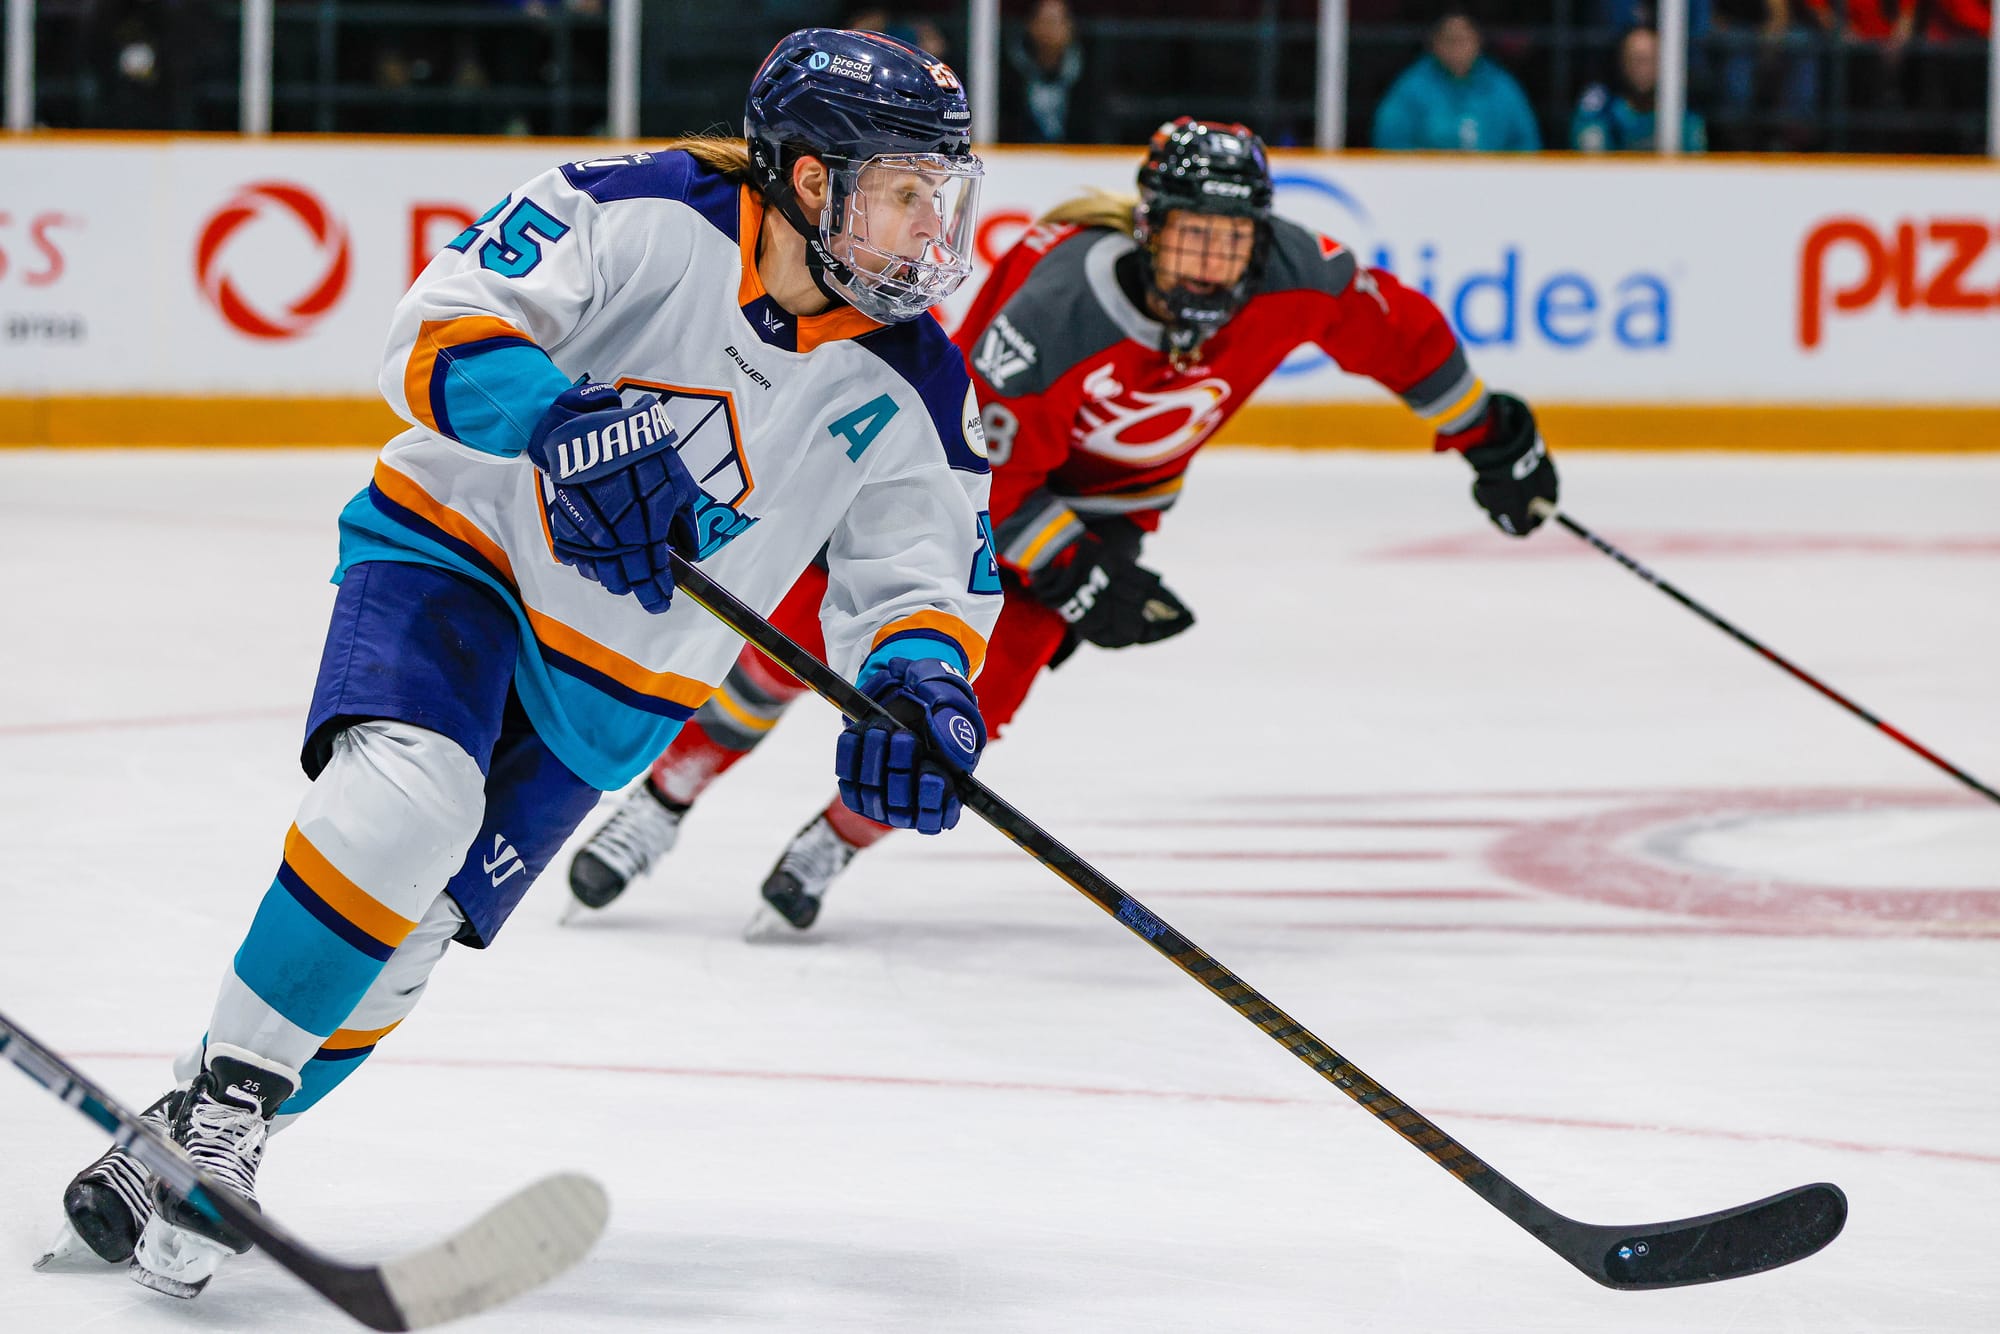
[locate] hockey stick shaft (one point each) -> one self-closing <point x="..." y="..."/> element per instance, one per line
<point x="527" y="1239"/>
<point x="1769" y="655"/>
<point x="1585" y="1247"/>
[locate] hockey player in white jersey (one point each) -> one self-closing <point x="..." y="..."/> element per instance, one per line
<point x="719" y="348"/>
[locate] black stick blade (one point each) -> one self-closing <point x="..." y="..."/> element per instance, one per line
<point x="1745" y="1240"/>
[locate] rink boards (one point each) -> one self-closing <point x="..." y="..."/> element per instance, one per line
<point x="223" y="291"/>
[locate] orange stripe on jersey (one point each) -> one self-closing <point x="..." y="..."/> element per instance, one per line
<point x="1154" y="492"/>
<point x="1061" y="522"/>
<point x="744" y="719"/>
<point x="405" y="492"/>
<point x="343" y="895"/>
<point x="749" y="222"/>
<point x="968" y="640"/>
<point x="842" y="321"/>
<point x="434" y="338"/>
<point x="352" y="1039"/>
<point x="1464" y="401"/>
<point x="574" y="644"/>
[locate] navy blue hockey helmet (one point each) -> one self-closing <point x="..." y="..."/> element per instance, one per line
<point x="1204" y="167"/>
<point x="892" y="127"/>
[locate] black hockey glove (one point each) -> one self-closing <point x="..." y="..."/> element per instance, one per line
<point x="1108" y="597"/>
<point x="1514" y="467"/>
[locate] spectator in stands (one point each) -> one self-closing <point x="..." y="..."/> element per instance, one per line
<point x="1753" y="42"/>
<point x="1620" y="119"/>
<point x="1456" y="99"/>
<point x="1044" y="96"/>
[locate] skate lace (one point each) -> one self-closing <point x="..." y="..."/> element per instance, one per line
<point x="122" y="1172"/>
<point x="637" y="832"/>
<point x="226" y="1140"/>
<point x="816" y="856"/>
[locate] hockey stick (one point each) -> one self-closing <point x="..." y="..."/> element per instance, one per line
<point x="1745" y="1240"/>
<point x="1548" y="510"/>
<point x="526" y="1239"/>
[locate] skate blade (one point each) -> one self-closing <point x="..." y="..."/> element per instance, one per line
<point x="172" y="1287"/>
<point x="174" y="1261"/>
<point x="767" y="926"/>
<point x="572" y="911"/>
<point x="70" y="1254"/>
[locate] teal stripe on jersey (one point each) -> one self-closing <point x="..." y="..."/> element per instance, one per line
<point x="604" y="741"/>
<point x="918" y="644"/>
<point x="494" y="397"/>
<point x="300" y="968"/>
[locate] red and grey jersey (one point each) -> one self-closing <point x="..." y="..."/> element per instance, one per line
<point x="1086" y="416"/>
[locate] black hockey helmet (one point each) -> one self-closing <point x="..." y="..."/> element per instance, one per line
<point x="852" y="99"/>
<point x="1204" y="167"/>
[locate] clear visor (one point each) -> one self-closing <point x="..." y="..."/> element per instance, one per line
<point x="902" y="225"/>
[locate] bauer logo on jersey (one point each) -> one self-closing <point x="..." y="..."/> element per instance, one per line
<point x="1003" y="353"/>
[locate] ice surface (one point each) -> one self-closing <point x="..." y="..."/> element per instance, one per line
<point x="1642" y="921"/>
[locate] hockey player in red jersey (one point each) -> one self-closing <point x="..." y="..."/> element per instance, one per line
<point x="1106" y="347"/>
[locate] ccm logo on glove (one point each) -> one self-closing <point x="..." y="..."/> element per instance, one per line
<point x="1079" y="603"/>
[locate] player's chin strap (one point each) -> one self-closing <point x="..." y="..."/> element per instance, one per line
<point x="820" y="261"/>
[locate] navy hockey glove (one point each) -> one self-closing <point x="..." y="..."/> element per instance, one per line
<point x="1107" y="596"/>
<point x="1514" y="467"/>
<point x="617" y="494"/>
<point x="903" y="776"/>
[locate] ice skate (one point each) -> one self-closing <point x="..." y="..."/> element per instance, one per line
<point x="108" y="1204"/>
<point x="798" y="883"/>
<point x="643" y="829"/>
<point x="222" y="1122"/>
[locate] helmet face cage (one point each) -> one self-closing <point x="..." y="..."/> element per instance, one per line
<point x="1215" y="169"/>
<point x="899" y="228"/>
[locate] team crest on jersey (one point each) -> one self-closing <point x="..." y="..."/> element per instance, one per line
<point x="711" y="447"/>
<point x="1142" y="428"/>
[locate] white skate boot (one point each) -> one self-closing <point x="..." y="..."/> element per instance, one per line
<point x="643" y="829"/>
<point x="798" y="883"/>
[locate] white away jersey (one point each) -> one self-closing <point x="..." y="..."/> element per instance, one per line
<point x="825" y="430"/>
